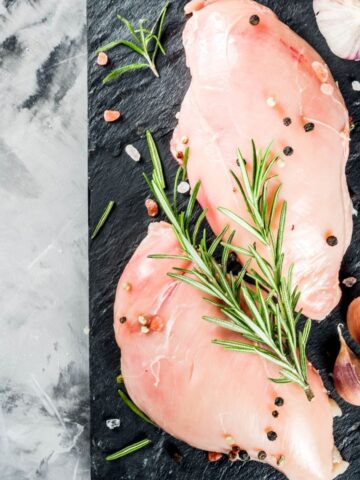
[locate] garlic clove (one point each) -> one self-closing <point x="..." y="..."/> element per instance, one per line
<point x="339" y="465"/>
<point x="353" y="319"/>
<point x="339" y="22"/>
<point x="339" y="468"/>
<point x="347" y="373"/>
<point x="335" y="409"/>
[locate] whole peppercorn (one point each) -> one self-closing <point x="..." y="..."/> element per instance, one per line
<point x="262" y="455"/>
<point x="272" y="436"/>
<point x="244" y="456"/>
<point x="254" y="20"/>
<point x="288" y="151"/>
<point x="275" y="413"/>
<point x="287" y="121"/>
<point x="332" y="241"/>
<point x="308" y="127"/>
<point x="279" y="402"/>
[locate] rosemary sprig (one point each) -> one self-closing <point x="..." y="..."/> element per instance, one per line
<point x="130" y="404"/>
<point x="271" y="324"/>
<point x="129" y="449"/>
<point x="145" y="41"/>
<point x="103" y="219"/>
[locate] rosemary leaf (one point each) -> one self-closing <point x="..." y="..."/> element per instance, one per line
<point x="156" y="159"/>
<point x="129" y="26"/>
<point x="161" y="21"/>
<point x="116" y="43"/>
<point x="129" y="403"/>
<point x="121" y="70"/>
<point x="224" y="324"/>
<point x="129" y="449"/>
<point x="167" y="257"/>
<point x="243" y="223"/>
<point x="185" y="162"/>
<point x="103" y="219"/>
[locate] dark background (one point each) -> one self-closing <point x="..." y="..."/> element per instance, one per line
<point x="146" y="102"/>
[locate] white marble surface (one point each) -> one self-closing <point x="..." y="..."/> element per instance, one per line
<point x="43" y="255"/>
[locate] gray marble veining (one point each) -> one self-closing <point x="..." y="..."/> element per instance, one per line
<point x="43" y="243"/>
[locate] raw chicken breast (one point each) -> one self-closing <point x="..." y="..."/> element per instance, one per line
<point x="254" y="78"/>
<point x="208" y="397"/>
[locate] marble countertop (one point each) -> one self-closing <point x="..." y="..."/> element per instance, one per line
<point x="44" y="412"/>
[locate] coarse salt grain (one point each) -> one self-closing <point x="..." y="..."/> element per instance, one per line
<point x="145" y="329"/>
<point x="321" y="71"/>
<point x="177" y="115"/>
<point x="356" y="85"/>
<point x="214" y="456"/>
<point x="349" y="281"/>
<point x="133" y="153"/>
<point x="113" y="423"/>
<point x="355" y="212"/>
<point x="271" y="101"/>
<point x="151" y="207"/>
<point x="157" y="324"/>
<point x="111" y="115"/>
<point x="142" y="320"/>
<point x="327" y="89"/>
<point x="102" y="59"/>
<point x="183" y="187"/>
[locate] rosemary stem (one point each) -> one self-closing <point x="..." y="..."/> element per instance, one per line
<point x="309" y="393"/>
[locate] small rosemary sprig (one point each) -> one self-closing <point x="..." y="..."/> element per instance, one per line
<point x="103" y="219"/>
<point x="270" y="327"/>
<point x="145" y="41"/>
<point x="129" y="449"/>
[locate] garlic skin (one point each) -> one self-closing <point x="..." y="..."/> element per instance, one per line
<point x="347" y="373"/>
<point x="339" y="22"/>
<point x="353" y="319"/>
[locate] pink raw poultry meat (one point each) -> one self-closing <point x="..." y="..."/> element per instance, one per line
<point x="211" y="398"/>
<point x="251" y="77"/>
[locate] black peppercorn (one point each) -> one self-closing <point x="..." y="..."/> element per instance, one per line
<point x="275" y="413"/>
<point x="332" y="241"/>
<point x="287" y="121"/>
<point x="244" y="456"/>
<point x="288" y="151"/>
<point x="254" y="20"/>
<point x="279" y="402"/>
<point x="122" y="319"/>
<point x="262" y="455"/>
<point x="308" y="127"/>
<point x="272" y="436"/>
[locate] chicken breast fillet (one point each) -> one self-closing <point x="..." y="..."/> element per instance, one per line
<point x="254" y="78"/>
<point x="212" y="399"/>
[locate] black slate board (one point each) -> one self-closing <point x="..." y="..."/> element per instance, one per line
<point x="150" y="103"/>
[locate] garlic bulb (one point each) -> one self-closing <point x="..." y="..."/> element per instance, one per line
<point x="339" y="22"/>
<point x="353" y="319"/>
<point x="347" y="373"/>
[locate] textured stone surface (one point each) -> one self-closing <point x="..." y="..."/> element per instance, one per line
<point x="150" y="103"/>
